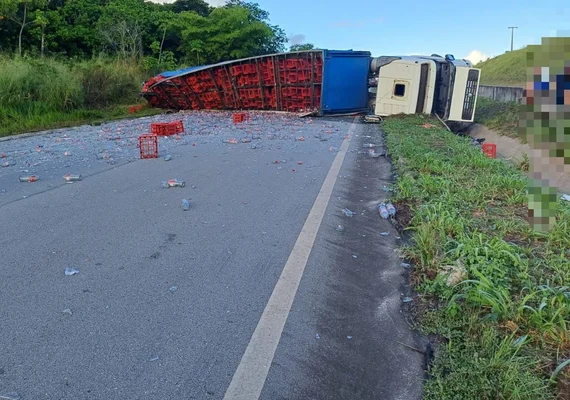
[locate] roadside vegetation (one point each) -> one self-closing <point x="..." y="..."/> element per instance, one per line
<point x="507" y="69"/>
<point x="69" y="62"/>
<point x="502" y="117"/>
<point x="493" y="292"/>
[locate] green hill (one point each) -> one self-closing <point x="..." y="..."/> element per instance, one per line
<point x="508" y="69"/>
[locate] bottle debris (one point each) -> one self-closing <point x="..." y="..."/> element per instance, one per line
<point x="28" y="178"/>
<point x="185" y="205"/>
<point x="71" y="271"/>
<point x="66" y="311"/>
<point x="172" y="183"/>
<point x="407" y="300"/>
<point x="72" y="178"/>
<point x="168" y="157"/>
<point x="347" y="212"/>
<point x="173" y="288"/>
<point x="384" y="233"/>
<point x="391" y="209"/>
<point x="340" y="228"/>
<point x="383" y="211"/>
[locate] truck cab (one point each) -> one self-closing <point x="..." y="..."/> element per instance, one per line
<point x="421" y="84"/>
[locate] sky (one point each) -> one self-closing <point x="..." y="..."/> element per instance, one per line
<point x="468" y="29"/>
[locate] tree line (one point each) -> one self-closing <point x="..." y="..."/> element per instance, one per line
<point x="162" y="35"/>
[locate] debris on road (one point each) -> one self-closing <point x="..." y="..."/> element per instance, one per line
<point x="347" y="212"/>
<point x="405" y="265"/>
<point x="168" y="157"/>
<point x="72" y="178"/>
<point x="185" y="205"/>
<point x="173" y="288"/>
<point x="340" y="228"/>
<point x="172" y="183"/>
<point x="407" y="300"/>
<point x="391" y="209"/>
<point x="71" y="271"/>
<point x="66" y="311"/>
<point x="29" y="178"/>
<point x="384" y="233"/>
<point x="383" y="211"/>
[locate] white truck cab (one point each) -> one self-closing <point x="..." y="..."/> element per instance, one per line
<point x="422" y="84"/>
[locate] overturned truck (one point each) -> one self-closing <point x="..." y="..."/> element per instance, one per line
<point x="324" y="82"/>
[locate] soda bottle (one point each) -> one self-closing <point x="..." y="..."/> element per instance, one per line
<point x="383" y="211"/>
<point x="185" y="205"/>
<point x="29" y="178"/>
<point x="176" y="183"/>
<point x="72" y="178"/>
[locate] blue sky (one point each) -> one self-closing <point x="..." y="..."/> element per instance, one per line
<point x="418" y="26"/>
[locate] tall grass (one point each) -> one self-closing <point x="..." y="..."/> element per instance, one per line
<point x="42" y="93"/>
<point x="504" y="328"/>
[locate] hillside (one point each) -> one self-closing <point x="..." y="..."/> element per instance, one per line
<point x="508" y="69"/>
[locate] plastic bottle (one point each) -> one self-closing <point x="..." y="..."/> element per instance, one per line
<point x="369" y="146"/>
<point x="168" y="157"/>
<point x="29" y="178"/>
<point x="246" y="140"/>
<point x="176" y="183"/>
<point x="383" y="211"/>
<point x="391" y="209"/>
<point x="231" y="141"/>
<point x="72" y="178"/>
<point x="185" y="205"/>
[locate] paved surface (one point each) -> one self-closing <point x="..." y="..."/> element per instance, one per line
<point x="166" y="301"/>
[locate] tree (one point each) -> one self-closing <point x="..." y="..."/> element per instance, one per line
<point x="200" y="7"/>
<point x="17" y="11"/>
<point x="301" y="47"/>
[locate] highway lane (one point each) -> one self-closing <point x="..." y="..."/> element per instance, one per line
<point x="166" y="301"/>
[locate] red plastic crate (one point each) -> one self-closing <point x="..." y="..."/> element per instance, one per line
<point x="240" y="117"/>
<point x="148" y="145"/>
<point x="135" y="109"/>
<point x="167" y="129"/>
<point x="490" y="150"/>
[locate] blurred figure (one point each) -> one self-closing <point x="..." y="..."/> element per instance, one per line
<point x="545" y="124"/>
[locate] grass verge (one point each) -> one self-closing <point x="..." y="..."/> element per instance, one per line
<point x="58" y="119"/>
<point x="502" y="117"/>
<point x="493" y="291"/>
<point x="49" y="93"/>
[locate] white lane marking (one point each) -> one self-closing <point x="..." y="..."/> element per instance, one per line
<point x="250" y="376"/>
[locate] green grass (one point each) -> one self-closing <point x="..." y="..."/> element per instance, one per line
<point x="508" y="69"/>
<point x="503" y="330"/>
<point x="43" y="94"/>
<point x="502" y="117"/>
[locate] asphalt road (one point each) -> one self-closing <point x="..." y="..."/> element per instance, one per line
<point x="166" y="301"/>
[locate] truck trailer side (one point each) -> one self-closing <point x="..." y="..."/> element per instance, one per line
<point x="324" y="82"/>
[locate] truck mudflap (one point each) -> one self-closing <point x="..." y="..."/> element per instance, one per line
<point x="282" y="82"/>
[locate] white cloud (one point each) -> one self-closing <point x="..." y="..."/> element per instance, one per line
<point x="476" y="56"/>
<point x="297" y="39"/>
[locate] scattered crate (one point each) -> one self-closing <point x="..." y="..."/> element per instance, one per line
<point x="167" y="128"/>
<point x="148" y="145"/>
<point x="135" y="109"/>
<point x="490" y="150"/>
<point x="240" y="117"/>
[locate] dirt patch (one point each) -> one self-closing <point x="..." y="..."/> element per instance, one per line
<point x="563" y="384"/>
<point x="514" y="150"/>
<point x="404" y="215"/>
